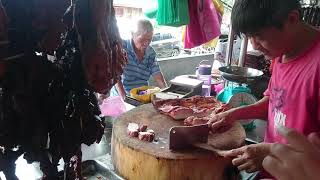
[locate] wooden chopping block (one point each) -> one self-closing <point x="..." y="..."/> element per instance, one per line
<point x="138" y="160"/>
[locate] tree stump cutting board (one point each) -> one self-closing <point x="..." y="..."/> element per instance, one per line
<point x="139" y="160"/>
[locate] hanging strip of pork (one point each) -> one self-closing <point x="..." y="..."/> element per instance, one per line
<point x="103" y="56"/>
<point x="40" y="98"/>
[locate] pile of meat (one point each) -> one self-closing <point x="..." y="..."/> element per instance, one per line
<point x="193" y="110"/>
<point x="48" y="108"/>
<point x="142" y="132"/>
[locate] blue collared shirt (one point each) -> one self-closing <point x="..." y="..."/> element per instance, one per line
<point x="137" y="73"/>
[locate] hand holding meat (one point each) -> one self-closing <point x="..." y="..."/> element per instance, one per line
<point x="249" y="158"/>
<point x="221" y="122"/>
<point x="297" y="160"/>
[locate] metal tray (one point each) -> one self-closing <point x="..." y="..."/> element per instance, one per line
<point x="95" y="170"/>
<point x="239" y="74"/>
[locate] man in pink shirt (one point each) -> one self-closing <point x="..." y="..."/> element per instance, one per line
<point x="293" y="97"/>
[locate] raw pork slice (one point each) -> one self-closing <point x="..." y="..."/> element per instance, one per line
<point x="143" y="128"/>
<point x="147" y="136"/>
<point x="133" y="130"/>
<point x="197" y="106"/>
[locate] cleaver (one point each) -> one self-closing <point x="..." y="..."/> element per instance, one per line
<point x="184" y="137"/>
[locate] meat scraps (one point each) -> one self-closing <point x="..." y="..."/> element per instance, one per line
<point x="147" y="136"/>
<point x="133" y="129"/>
<point x="141" y="132"/>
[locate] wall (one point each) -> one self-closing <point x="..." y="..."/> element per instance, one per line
<point x="172" y="67"/>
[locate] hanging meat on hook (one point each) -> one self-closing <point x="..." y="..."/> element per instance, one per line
<point x="48" y="108"/>
<point x="103" y="56"/>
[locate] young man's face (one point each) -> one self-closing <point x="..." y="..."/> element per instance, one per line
<point x="275" y="42"/>
<point x="271" y="41"/>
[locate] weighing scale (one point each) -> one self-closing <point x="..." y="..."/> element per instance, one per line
<point x="181" y="87"/>
<point x="236" y="93"/>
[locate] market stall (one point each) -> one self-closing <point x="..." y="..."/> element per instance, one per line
<point x="49" y="109"/>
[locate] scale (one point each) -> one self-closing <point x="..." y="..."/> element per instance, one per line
<point x="236" y="93"/>
<point x="181" y="87"/>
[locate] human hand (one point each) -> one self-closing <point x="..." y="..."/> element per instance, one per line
<point x="314" y="138"/>
<point x="221" y="122"/>
<point x="298" y="160"/>
<point x="250" y="157"/>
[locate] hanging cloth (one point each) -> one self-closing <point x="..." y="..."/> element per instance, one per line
<point x="219" y="6"/>
<point x="173" y="12"/>
<point x="204" y="24"/>
<point x="220" y="9"/>
<point x="151" y="10"/>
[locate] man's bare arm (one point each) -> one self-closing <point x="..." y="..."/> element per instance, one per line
<point x="120" y="89"/>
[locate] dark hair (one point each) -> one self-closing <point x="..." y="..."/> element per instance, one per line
<point x="250" y="16"/>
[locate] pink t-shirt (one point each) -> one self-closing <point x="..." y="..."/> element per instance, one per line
<point x="294" y="91"/>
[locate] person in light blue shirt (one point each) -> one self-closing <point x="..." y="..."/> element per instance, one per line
<point x="142" y="63"/>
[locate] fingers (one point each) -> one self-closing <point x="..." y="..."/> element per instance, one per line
<point x="296" y="140"/>
<point x="314" y="138"/>
<point x="219" y="123"/>
<point x="235" y="152"/>
<point x="220" y="126"/>
<point x="214" y="119"/>
<point x="273" y="165"/>
<point x="244" y="164"/>
<point x="248" y="167"/>
<point x="281" y="151"/>
<point x="239" y="161"/>
<point x="224" y="128"/>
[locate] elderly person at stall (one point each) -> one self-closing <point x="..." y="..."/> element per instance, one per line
<point x="142" y="63"/>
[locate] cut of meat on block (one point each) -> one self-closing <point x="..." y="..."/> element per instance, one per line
<point x="143" y="128"/>
<point x="133" y="129"/>
<point x="197" y="106"/>
<point x="141" y="132"/>
<point x="147" y="136"/>
<point x="192" y="121"/>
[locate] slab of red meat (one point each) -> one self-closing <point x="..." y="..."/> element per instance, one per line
<point x="192" y="120"/>
<point x="197" y="106"/>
